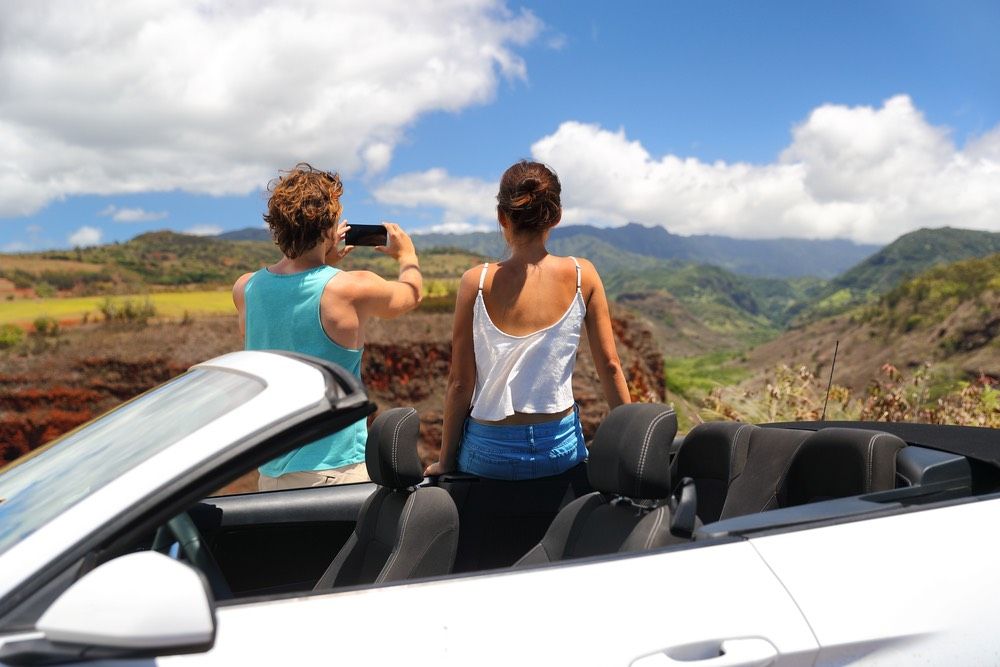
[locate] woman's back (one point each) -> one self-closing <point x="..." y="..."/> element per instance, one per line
<point x="524" y="298"/>
<point x="509" y="408"/>
<point x="526" y="350"/>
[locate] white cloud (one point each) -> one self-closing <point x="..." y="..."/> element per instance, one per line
<point x="456" y="228"/>
<point x="105" y="98"/>
<point x="868" y="174"/>
<point x="204" y="230"/>
<point x="131" y="214"/>
<point x="85" y="236"/>
<point x="459" y="198"/>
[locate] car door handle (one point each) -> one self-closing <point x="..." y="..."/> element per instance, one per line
<point x="743" y="652"/>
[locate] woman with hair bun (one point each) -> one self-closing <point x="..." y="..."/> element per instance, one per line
<point x="509" y="409"/>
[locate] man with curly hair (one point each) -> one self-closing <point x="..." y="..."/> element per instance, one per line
<point x="304" y="303"/>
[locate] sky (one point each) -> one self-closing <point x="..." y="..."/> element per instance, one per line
<point x="825" y="119"/>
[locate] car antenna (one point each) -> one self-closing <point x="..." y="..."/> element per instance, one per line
<point x="829" y="384"/>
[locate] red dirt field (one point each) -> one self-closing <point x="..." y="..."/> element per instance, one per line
<point x="48" y="389"/>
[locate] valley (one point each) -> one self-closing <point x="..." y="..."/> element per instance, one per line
<point x="83" y="330"/>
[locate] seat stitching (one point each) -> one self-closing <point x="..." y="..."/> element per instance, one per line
<point x="656" y="528"/>
<point x="774" y="496"/>
<point x="402" y="536"/>
<point x="732" y="455"/>
<point x="645" y="447"/>
<point x="784" y="473"/>
<point x="395" y="443"/>
<point x="871" y="456"/>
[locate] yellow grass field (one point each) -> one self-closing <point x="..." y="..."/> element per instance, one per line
<point x="168" y="304"/>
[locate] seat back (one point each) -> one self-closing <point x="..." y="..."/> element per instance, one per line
<point x="841" y="462"/>
<point x="403" y="531"/>
<point x="629" y="467"/>
<point x="712" y="454"/>
<point x="770" y="452"/>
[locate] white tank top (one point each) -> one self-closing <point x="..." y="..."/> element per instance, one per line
<point x="530" y="374"/>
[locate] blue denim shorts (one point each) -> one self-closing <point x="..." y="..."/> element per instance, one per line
<point x="522" y="451"/>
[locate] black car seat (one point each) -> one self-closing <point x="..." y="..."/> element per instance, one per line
<point x="712" y="454"/>
<point x="737" y="468"/>
<point x="769" y="454"/>
<point x="403" y="531"/>
<point x="841" y="462"/>
<point x="629" y="467"/>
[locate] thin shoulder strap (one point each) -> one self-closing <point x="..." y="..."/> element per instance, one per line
<point x="482" y="276"/>
<point x="577" y="272"/>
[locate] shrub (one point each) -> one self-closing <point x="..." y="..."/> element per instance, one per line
<point x="798" y="394"/>
<point x="45" y="290"/>
<point x="46" y="326"/>
<point x="127" y="311"/>
<point x="10" y="335"/>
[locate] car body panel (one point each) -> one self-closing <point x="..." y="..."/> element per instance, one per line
<point x="606" y="612"/>
<point x="919" y="587"/>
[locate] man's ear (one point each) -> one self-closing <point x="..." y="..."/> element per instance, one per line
<point x="330" y="233"/>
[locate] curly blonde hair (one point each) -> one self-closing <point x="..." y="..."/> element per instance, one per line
<point x="304" y="203"/>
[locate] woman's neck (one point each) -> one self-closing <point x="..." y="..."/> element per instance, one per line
<point x="528" y="251"/>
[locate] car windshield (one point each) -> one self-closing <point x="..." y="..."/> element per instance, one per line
<point x="46" y="483"/>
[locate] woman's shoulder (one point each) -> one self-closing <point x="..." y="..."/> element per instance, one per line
<point x="587" y="267"/>
<point x="470" y="279"/>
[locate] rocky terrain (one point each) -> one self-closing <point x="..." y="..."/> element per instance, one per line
<point x="58" y="383"/>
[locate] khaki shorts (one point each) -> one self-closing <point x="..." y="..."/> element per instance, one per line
<point x="349" y="474"/>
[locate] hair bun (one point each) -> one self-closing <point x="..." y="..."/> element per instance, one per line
<point x="530" y="186"/>
<point x="529" y="195"/>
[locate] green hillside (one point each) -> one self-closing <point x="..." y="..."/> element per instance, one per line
<point x="906" y="257"/>
<point x="930" y="298"/>
<point x="768" y="301"/>
<point x="167" y="260"/>
<point x="721" y="300"/>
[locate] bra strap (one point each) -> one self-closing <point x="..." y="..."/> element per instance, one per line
<point x="482" y="276"/>
<point x="577" y="272"/>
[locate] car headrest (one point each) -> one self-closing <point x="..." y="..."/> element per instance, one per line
<point x="841" y="462"/>
<point x="391" y="452"/>
<point x="630" y="453"/>
<point x="714" y="450"/>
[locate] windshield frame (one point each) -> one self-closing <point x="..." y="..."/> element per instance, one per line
<point x="74" y="466"/>
<point x="340" y="401"/>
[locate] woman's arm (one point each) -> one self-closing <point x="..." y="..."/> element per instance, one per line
<point x="602" y="338"/>
<point x="461" y="379"/>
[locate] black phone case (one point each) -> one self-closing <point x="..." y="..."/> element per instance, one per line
<point x="368" y="235"/>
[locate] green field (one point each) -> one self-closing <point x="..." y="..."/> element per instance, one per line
<point x="694" y="377"/>
<point x="168" y="304"/>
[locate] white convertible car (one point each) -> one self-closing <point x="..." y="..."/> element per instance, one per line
<point x="784" y="544"/>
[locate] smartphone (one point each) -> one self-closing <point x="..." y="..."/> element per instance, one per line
<point x="366" y="235"/>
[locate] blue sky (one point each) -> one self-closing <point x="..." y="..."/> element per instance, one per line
<point x="860" y="120"/>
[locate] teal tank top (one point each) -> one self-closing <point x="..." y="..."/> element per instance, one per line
<point x="282" y="313"/>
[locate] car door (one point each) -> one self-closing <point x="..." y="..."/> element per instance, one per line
<point x="920" y="586"/>
<point x="682" y="606"/>
<point x="279" y="541"/>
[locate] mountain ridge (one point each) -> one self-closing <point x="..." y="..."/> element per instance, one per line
<point x="774" y="258"/>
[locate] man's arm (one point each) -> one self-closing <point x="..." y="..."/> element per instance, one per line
<point x="378" y="297"/>
<point x="240" y="303"/>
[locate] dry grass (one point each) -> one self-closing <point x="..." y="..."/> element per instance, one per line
<point x="172" y="305"/>
<point x="36" y="265"/>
